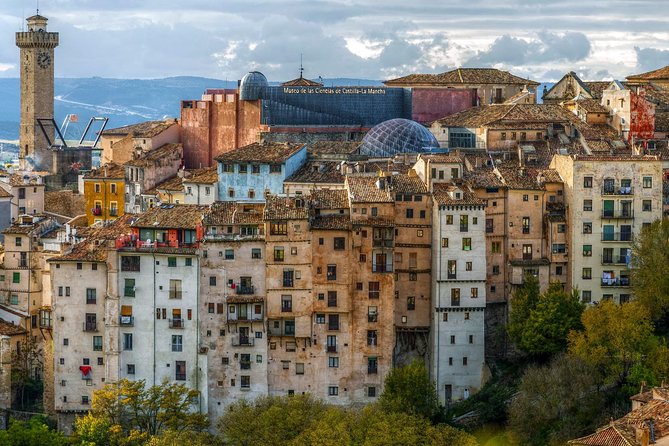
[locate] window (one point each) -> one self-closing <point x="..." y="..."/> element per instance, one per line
<point x="587" y="250"/>
<point x="449" y="219"/>
<point x="558" y="270"/>
<point x="333" y="361"/>
<point x="91" y="296"/>
<point x="286" y="303"/>
<point x="129" y="288"/>
<point x="586" y="296"/>
<point x="332" y="298"/>
<point x="464" y="223"/>
<point x="495" y="270"/>
<point x="526" y="225"/>
<point x="130" y="263"/>
<point x="372" y="365"/>
<point x="177" y="343"/>
<point x="464" y="360"/>
<point x="452" y="269"/>
<point x="97" y="188"/>
<point x="374" y="290"/>
<point x="466" y="244"/>
<point x="452" y="339"/>
<point x="18" y="241"/>
<point x="333" y="390"/>
<point x="444" y="242"/>
<point x="172" y="262"/>
<point x="275" y="168"/>
<point x="646" y="205"/>
<point x="299" y="368"/>
<point x="587" y="273"/>
<point x="175" y="289"/>
<point x="371" y="392"/>
<point x="278" y="254"/>
<point x="409" y="213"/>
<point x="587" y="182"/>
<point x="559" y="248"/>
<point x="455" y="297"/>
<point x="127" y="341"/>
<point x="375" y="212"/>
<point x="587" y="227"/>
<point x="245" y="382"/>
<point x="212" y="280"/>
<point x="278" y="228"/>
<point x="587" y="205"/>
<point x="419" y="233"/>
<point x="496" y="247"/>
<point x="320" y="318"/>
<point x="256" y="253"/>
<point x="468" y="266"/>
<point x="333" y="322"/>
<point x="97" y="343"/>
<point x="372" y="314"/>
<point x="489" y="225"/>
<point x="331" y="272"/>
<point x="332" y="344"/>
<point x="411" y="303"/>
<point x="339" y="243"/>
<point x="180" y="370"/>
<point x="421" y="213"/>
<point x="527" y="252"/>
<point x="16" y="277"/>
<point x="561" y="228"/>
<point x="229" y="254"/>
<point x="372" y="337"/>
<point x="22" y="193"/>
<point x="526" y="197"/>
<point x="647" y="182"/>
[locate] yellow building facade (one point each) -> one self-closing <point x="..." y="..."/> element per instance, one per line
<point x="104" y="189"/>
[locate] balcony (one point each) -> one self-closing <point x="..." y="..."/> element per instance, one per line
<point x="90" y="326"/>
<point x="128" y="243"/>
<point x="615" y="282"/>
<point x="242" y="341"/>
<point x="620" y="190"/>
<point x="614" y="260"/>
<point x="96" y="211"/>
<point x="176" y="323"/>
<point x="127" y="321"/>
<point x="382" y="268"/>
<point x="618" y="214"/>
<point x="113" y="212"/>
<point x="232" y="237"/>
<point x="617" y="237"/>
<point x="245" y="290"/>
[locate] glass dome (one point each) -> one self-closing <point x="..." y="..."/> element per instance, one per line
<point x="397" y="136"/>
<point x="250" y="86"/>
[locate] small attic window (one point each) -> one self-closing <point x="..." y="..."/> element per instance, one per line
<point x="458" y="195"/>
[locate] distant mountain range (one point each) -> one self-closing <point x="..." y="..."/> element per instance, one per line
<point x="123" y="101"/>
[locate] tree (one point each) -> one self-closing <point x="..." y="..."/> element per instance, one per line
<point x="615" y="339"/>
<point x="540" y="324"/>
<point x="34" y="432"/>
<point x="127" y="413"/>
<point x="27" y="388"/>
<point x="172" y="438"/>
<point x="408" y="389"/>
<point x="649" y="263"/>
<point x="555" y="402"/>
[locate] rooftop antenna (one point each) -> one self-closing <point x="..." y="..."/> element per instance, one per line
<point x="301" y="67"/>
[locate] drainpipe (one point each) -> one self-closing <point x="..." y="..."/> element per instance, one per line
<point x="154" y="319"/>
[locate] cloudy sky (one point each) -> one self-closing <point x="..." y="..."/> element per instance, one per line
<point x="373" y="39"/>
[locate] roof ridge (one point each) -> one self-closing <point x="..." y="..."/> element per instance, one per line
<point x="507" y="112"/>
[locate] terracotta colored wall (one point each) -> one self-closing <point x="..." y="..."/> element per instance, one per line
<point x="195" y="133"/>
<point x="429" y="104"/>
<point x="642" y="119"/>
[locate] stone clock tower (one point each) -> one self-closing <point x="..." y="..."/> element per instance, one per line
<point x="37" y="79"/>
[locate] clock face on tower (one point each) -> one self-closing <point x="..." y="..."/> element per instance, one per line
<point x="44" y="59"/>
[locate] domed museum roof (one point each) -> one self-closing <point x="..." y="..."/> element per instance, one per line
<point x="397" y="136"/>
<point x="251" y="84"/>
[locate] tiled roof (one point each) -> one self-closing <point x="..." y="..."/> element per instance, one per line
<point x="332" y="148"/>
<point x="301" y="82"/>
<point x="407" y="184"/>
<point x="441" y="158"/>
<point x="523" y="96"/>
<point x="621" y="157"/>
<point x="462" y="76"/>
<point x="65" y="203"/>
<point x="662" y="73"/>
<point x="657" y="95"/>
<point x="496" y="114"/>
<point x="285" y="208"/>
<point x="208" y="175"/>
<point x="483" y="177"/>
<point x="329" y="199"/>
<point x="265" y="152"/>
<point x="94" y="246"/>
<point x="173" y="184"/>
<point x="317" y="172"/>
<point x="516" y="178"/>
<point x="233" y="213"/>
<point x="152" y="156"/>
<point x="332" y="222"/>
<point x="171" y="216"/>
<point x="364" y="189"/>
<point x="611" y="435"/>
<point x="111" y="170"/>
<point x="442" y="197"/>
<point x="550" y="176"/>
<point x="596" y="88"/>
<point x="9" y="329"/>
<point x="147" y="129"/>
<point x="5" y="194"/>
<point x="591" y="106"/>
<point x="25" y="179"/>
